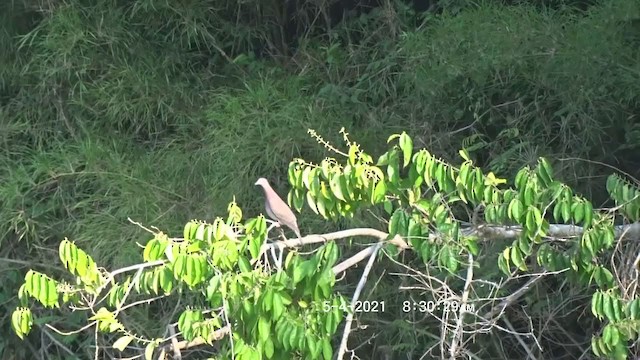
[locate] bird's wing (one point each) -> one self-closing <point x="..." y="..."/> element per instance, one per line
<point x="280" y="210"/>
<point x="270" y="213"/>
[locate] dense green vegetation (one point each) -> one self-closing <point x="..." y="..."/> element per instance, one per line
<point x="162" y="111"/>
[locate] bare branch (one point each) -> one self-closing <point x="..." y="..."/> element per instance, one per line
<point x="356" y="295"/>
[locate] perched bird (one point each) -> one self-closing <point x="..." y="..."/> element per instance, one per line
<point x="277" y="209"/>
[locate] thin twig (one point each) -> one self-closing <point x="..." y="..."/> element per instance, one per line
<point x="457" y="333"/>
<point x="58" y="343"/>
<point x="354" y="299"/>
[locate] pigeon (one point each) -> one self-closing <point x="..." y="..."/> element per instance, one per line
<point x="277" y="209"/>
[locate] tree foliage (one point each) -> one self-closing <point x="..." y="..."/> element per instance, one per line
<point x="268" y="309"/>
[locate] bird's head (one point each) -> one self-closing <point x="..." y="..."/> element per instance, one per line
<point x="262" y="182"/>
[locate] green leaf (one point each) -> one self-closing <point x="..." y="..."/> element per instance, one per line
<point x="525" y="245"/>
<point x="545" y="172"/>
<point x="388" y="206"/>
<point x="383" y="159"/>
<point x="440" y="175"/>
<point x="608" y="237"/>
<point x="264" y="328"/>
<point x="398" y="223"/>
<point x="620" y="352"/>
<point x="537" y="217"/>
<point x="122" y="342"/>
<point x="415" y="179"/>
<point x="528" y="196"/>
<point x="515" y="209"/>
<point x="321" y="205"/>
<point x="293" y="337"/>
<point x="452" y="262"/>
<point x="463" y="176"/>
<point x="268" y="348"/>
<point x="277" y="305"/>
<point x="285" y="335"/>
<point x="627" y="193"/>
<point x="254" y="246"/>
<point x="566" y="211"/>
<point x="504" y="261"/>
<point x="517" y="258"/>
<point x="336" y="316"/>
<point x="476" y="181"/>
<point x="336" y="189"/>
<point x="487" y="196"/>
<point x="244" y="265"/>
<point x="165" y="278"/>
<point x="464" y="154"/>
<point x="82" y="263"/>
<point x="293" y="173"/>
<point x="472" y="246"/>
<point x="298" y="198"/>
<point x="415" y="230"/>
<point x="302" y="270"/>
<point x="148" y="351"/>
<point x="521" y="178"/>
<point x="21" y="322"/>
<point x="429" y="169"/>
<point x="425" y="251"/>
<point x="353" y="152"/>
<point x="332" y="255"/>
<point x="557" y="211"/>
<point x="393" y="169"/>
<point x="314" y="348"/>
<point x="325" y="166"/>
<point x="327" y="351"/>
<point x="424" y="206"/>
<point x="530" y="221"/>
<point x="612" y="183"/>
<point x="312" y="203"/>
<point x="379" y="192"/>
<point x="200" y="232"/>
<point x="440" y="214"/>
<point x="307" y="177"/>
<point x="420" y="161"/>
<point x="324" y="288"/>
<point x="149" y="249"/>
<point x="392" y="137"/>
<point x="577" y="209"/>
<point x="606" y="278"/>
<point x="406" y="144"/>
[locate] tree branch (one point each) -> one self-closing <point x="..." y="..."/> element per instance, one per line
<point x="356" y="295"/>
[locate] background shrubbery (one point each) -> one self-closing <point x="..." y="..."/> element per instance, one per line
<point x="161" y="111"/>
